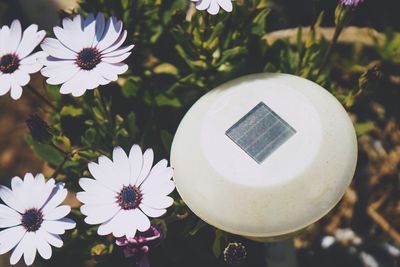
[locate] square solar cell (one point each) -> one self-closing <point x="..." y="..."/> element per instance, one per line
<point x="260" y="132"/>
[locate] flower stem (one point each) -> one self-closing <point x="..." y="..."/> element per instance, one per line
<point x="59" y="149"/>
<point x="47" y="102"/>
<point x="108" y="114"/>
<point x="328" y="53"/>
<point x="175" y="218"/>
<point x="67" y="155"/>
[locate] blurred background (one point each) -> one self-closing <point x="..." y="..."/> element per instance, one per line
<point x="363" y="230"/>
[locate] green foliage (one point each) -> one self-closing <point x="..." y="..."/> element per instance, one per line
<point x="390" y="49"/>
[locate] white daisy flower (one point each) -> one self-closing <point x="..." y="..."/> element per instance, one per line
<point x="15" y="62"/>
<point x="124" y="191"/>
<point x="213" y="6"/>
<point x="87" y="53"/>
<point x="32" y="217"/>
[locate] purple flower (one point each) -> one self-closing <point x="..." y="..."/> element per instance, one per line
<point x="351" y="3"/>
<point x="235" y="253"/>
<point x="139" y="246"/>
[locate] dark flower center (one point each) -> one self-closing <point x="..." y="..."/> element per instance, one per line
<point x="129" y="197"/>
<point x="88" y="58"/>
<point x="32" y="220"/>
<point x="9" y="63"/>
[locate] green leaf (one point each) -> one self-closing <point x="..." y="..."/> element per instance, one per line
<point x="212" y="41"/>
<point x="54" y="92"/>
<point x="200" y="224"/>
<point x="46" y="152"/>
<point x="299" y="41"/>
<point x="216" y="248"/>
<point x="165" y="68"/>
<point x="131" y="124"/>
<point x="230" y="54"/>
<point x="163" y="100"/>
<point x="71" y="111"/>
<point x="363" y="128"/>
<point x="166" y="138"/>
<point x="258" y="26"/>
<point x="131" y="87"/>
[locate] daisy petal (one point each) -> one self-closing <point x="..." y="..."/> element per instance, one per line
<point x="12" y="236"/>
<point x="5" y="35"/>
<point x="10" y="199"/>
<point x="103" y="175"/>
<point x="121" y="39"/>
<point x="157" y="202"/>
<point x="115" y="59"/>
<point x="225" y="4"/>
<point x="162" y="189"/>
<point x="119" y="51"/>
<point x="30" y="39"/>
<point x="54" y="48"/>
<point x="16" y="90"/>
<point x="94" y="198"/>
<point x="29" y="247"/>
<point x="121" y="220"/>
<point x="14" y="37"/>
<point x="42" y="246"/>
<point x="100" y="23"/>
<point x="148" y="157"/>
<point x="151" y="212"/>
<point x="57" y="213"/>
<point x="57" y="196"/>
<point x="60" y="74"/>
<point x="67" y="38"/>
<point x="92" y="186"/>
<point x="111" y="71"/>
<point x="16" y="254"/>
<point x="52" y="239"/>
<point x="108" y="226"/>
<point x="33" y="59"/>
<point x="17" y="186"/>
<point x="204" y="4"/>
<point x="141" y="220"/>
<point x="213" y="8"/>
<point x="58" y="226"/>
<point x="156" y="177"/>
<point x="4" y="83"/>
<point x="8" y="217"/>
<point x="121" y="165"/>
<point x="136" y="160"/>
<point x="89" y="30"/>
<point x="75" y="84"/>
<point x="21" y="76"/>
<point x="111" y="33"/>
<point x="99" y="213"/>
<point x="45" y="192"/>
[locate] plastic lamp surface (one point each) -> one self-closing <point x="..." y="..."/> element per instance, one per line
<point x="264" y="155"/>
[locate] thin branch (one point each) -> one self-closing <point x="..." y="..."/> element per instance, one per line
<point x="175" y="218"/>
<point x="328" y="53"/>
<point x="384" y="224"/>
<point x="68" y="155"/>
<point x="47" y="102"/>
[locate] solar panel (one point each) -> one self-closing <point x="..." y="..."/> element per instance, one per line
<point x="260" y="132"/>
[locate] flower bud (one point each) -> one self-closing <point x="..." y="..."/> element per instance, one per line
<point x="40" y="130"/>
<point x="235" y="253"/>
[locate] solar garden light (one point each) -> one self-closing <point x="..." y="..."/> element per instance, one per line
<point x="264" y="156"/>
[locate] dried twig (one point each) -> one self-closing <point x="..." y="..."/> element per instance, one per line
<point x="384" y="224"/>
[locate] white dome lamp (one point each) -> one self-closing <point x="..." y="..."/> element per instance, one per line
<point x="264" y="155"/>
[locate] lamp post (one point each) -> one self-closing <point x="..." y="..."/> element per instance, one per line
<point x="264" y="156"/>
